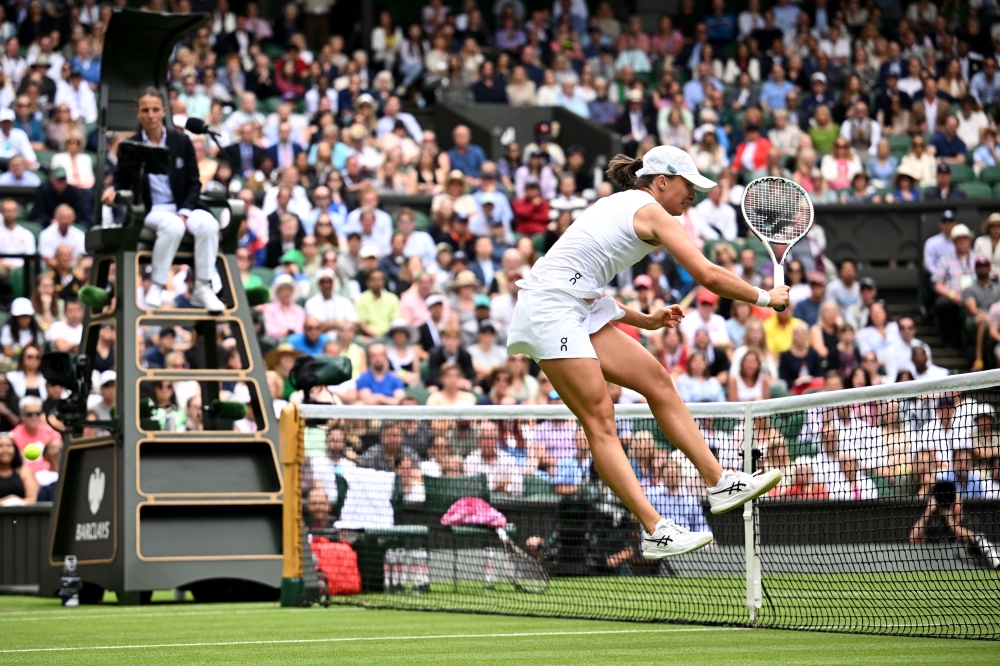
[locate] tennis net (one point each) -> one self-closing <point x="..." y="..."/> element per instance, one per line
<point x="886" y="521"/>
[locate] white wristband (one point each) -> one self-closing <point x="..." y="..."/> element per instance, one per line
<point x="763" y="298"/>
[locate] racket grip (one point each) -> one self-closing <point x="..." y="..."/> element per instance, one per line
<point x="779" y="281"/>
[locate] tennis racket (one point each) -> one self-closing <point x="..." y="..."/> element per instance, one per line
<point x="524" y="571"/>
<point x="777" y="211"/>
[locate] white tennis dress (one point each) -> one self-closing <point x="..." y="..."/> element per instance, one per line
<point x="560" y="304"/>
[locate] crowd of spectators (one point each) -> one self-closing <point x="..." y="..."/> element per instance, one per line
<point x="855" y="101"/>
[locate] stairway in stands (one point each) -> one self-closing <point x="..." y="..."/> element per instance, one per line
<point x="903" y="303"/>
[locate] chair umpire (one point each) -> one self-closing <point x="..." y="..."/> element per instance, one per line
<point x="173" y="202"/>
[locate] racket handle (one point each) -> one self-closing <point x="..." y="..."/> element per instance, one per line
<point x="779" y="281"/>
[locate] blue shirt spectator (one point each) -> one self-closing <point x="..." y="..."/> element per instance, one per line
<point x="301" y="341"/>
<point x="882" y="172"/>
<point x="602" y="110"/>
<point x="721" y="24"/>
<point x="774" y="93"/>
<point x="786" y="16"/>
<point x="946" y="146"/>
<point x="808" y="311"/>
<point x="465" y="156"/>
<point x="986" y="153"/>
<point x="386" y="386"/>
<point x="570" y="472"/>
<point x="694" y="90"/>
<point x="90" y="68"/>
<point x="674" y="503"/>
<point x="985" y="84"/>
<point x="570" y="101"/>
<point x="32" y="127"/>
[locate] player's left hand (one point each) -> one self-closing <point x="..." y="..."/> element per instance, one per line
<point x="668" y="316"/>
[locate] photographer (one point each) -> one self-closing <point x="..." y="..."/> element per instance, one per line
<point x="944" y="503"/>
<point x="173" y="202"/>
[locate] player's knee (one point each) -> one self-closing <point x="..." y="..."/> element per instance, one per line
<point x="600" y="420"/>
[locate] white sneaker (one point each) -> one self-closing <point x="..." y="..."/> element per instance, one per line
<point x="154" y="296"/>
<point x="670" y="539"/>
<point x="204" y="297"/>
<point x="990" y="552"/>
<point x="737" y="488"/>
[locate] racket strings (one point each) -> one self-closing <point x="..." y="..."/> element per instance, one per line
<point x="777" y="210"/>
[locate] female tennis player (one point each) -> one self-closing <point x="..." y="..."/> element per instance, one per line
<point x="561" y="321"/>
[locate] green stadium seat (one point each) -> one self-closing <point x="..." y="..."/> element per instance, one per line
<point x="17" y="281"/>
<point x="538" y="240"/>
<point x="268" y="105"/>
<point x="757" y="246"/>
<point x="996" y="190"/>
<point x="797" y="449"/>
<point x="977" y="190"/>
<point x="789" y="423"/>
<point x="418" y="392"/>
<point x="535" y="488"/>
<point x="34" y="227"/>
<point x="265" y="274"/>
<point x="899" y="142"/>
<point x="961" y="173"/>
<point x="45" y="157"/>
<point x="272" y="50"/>
<point x="990" y="175"/>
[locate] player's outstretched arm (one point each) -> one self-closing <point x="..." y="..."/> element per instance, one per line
<point x="653" y="223"/>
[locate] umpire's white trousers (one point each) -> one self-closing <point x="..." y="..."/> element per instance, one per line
<point x="169" y="228"/>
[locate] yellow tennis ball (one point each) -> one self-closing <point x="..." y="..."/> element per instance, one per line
<point x="33" y="451"/>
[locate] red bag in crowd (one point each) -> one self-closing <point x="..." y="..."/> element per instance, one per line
<point x="339" y="563"/>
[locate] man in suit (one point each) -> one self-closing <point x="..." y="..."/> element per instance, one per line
<point x="238" y="41"/>
<point x="245" y="156"/>
<point x="53" y="193"/>
<point x="174" y="204"/>
<point x="929" y="110"/>
<point x="284" y="151"/>
<point x="635" y="124"/>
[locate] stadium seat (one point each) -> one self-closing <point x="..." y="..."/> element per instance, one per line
<point x="789" y="423"/>
<point x="34" y="227"/>
<point x="990" y="175"/>
<point x="418" y="392"/>
<point x="265" y="274"/>
<point x="960" y="173"/>
<point x="17" y="281"/>
<point x="538" y="489"/>
<point x="977" y="190"/>
<point x="899" y="143"/>
<point x="882" y="484"/>
<point x="538" y="240"/>
<point x="268" y="105"/>
<point x="996" y="190"/>
<point x="44" y="158"/>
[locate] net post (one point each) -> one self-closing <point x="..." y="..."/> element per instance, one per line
<point x="291" y="433"/>
<point x="748" y="523"/>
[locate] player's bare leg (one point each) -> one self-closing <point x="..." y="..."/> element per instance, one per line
<point x="627" y="363"/>
<point x="581" y="386"/>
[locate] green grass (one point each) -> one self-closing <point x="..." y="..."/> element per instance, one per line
<point x="187" y="633"/>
